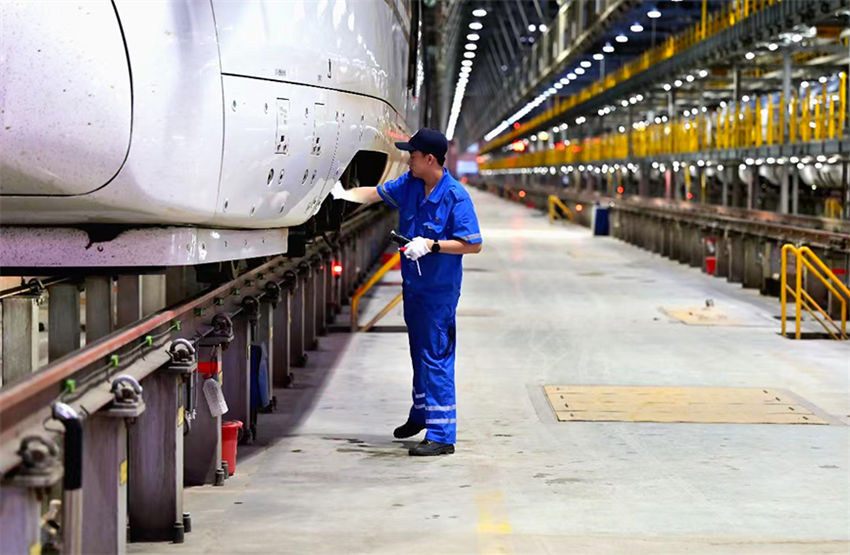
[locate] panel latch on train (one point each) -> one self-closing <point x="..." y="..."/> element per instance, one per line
<point x="40" y="465"/>
<point x="221" y="334"/>
<point x="127" y="399"/>
<point x="183" y="359"/>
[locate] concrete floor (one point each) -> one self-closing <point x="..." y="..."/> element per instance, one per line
<point x="547" y="305"/>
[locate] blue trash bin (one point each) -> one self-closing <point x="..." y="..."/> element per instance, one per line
<point x="599" y="220"/>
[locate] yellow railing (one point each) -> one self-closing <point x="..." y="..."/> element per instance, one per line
<point x="363" y="289"/>
<point x="555" y="202"/>
<point x="731" y="13"/>
<point x="738" y="125"/>
<point x="804" y="257"/>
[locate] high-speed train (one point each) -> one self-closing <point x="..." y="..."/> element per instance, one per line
<point x="215" y="114"/>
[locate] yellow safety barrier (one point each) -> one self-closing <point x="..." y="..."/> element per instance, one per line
<point x="806" y="258"/>
<point x="738" y="125"/>
<point x="553" y="214"/>
<point x="363" y="289"/>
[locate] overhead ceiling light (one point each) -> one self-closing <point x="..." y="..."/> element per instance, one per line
<point x="579" y="71"/>
<point x="667" y="86"/>
<point x="473" y="36"/>
<point x="636" y="27"/>
<point x="480" y="12"/>
<point x="653" y="13"/>
<point x="564" y="80"/>
<point x="571" y="76"/>
<point x="543" y="28"/>
<point x="599" y="56"/>
<point x="585" y="63"/>
<point x="703" y="73"/>
<point x="475" y="25"/>
<point x="677" y="83"/>
<point x="689" y="78"/>
<point x="559" y="86"/>
<point x="621" y="38"/>
<point x="466" y="63"/>
<point x="469" y="55"/>
<point x="772" y="46"/>
<point x="749" y="55"/>
<point x="471" y="46"/>
<point x="532" y="27"/>
<point x="608" y="48"/>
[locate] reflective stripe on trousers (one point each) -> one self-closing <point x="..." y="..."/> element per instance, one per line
<point x="431" y="333"/>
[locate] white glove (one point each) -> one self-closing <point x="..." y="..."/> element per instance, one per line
<point x="340" y="193"/>
<point x="417" y="248"/>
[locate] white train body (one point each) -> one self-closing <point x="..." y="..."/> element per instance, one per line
<point x="221" y="114"/>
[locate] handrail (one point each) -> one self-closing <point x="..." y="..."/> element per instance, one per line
<point x="804" y="257"/>
<point x="355" y="300"/>
<point x="555" y="201"/>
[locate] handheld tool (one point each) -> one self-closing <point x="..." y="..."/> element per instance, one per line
<point x="402" y="240"/>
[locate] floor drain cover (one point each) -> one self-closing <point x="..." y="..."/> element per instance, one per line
<point x="730" y="405"/>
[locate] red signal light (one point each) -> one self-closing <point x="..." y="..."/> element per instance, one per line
<point x="579" y="207"/>
<point x="522" y="194"/>
<point x="336" y="269"/>
<point x="690" y="196"/>
<point x="516" y="125"/>
<point x="620" y="190"/>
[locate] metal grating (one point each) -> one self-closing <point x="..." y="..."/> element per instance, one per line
<point x="709" y="405"/>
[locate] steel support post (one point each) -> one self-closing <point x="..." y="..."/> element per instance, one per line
<point x="784" y="186"/>
<point x="63" y="320"/>
<point x="105" y="479"/>
<point x="20" y="337"/>
<point x="20" y="520"/>
<point x="153" y="293"/>
<point x="99" y="307"/>
<point x="282" y="330"/>
<point x="697" y="258"/>
<point x="155" y="492"/>
<point x="202" y="445"/>
<point x="752" y="263"/>
<point x="795" y="191"/>
<point x="266" y="336"/>
<point x="722" y="253"/>
<point x="736" y="259"/>
<point x="297" y="356"/>
<point x="310" y="290"/>
<point x="322" y="280"/>
<point x="236" y="374"/>
<point x="129" y="299"/>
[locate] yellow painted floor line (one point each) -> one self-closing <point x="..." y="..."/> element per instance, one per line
<point x="494" y="530"/>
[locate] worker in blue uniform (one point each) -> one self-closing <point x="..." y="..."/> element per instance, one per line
<point x="437" y="212"/>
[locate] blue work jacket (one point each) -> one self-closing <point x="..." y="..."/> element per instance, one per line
<point x="447" y="213"/>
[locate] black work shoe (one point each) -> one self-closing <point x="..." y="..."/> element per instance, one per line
<point x="408" y="429"/>
<point x="428" y="448"/>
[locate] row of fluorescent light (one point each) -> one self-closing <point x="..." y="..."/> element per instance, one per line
<point x="636" y="27"/>
<point x="465" y="70"/>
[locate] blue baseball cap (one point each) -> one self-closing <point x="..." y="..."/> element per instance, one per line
<point x="427" y="141"/>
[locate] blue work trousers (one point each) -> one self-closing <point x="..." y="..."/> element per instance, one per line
<point x="431" y="332"/>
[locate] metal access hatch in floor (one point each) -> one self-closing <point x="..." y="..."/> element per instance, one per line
<point x="720" y="405"/>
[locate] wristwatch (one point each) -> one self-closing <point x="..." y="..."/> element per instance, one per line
<point x="436" y="246"/>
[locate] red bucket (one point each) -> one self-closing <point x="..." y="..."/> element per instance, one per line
<point x="229" y="439"/>
<point x="710" y="265"/>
